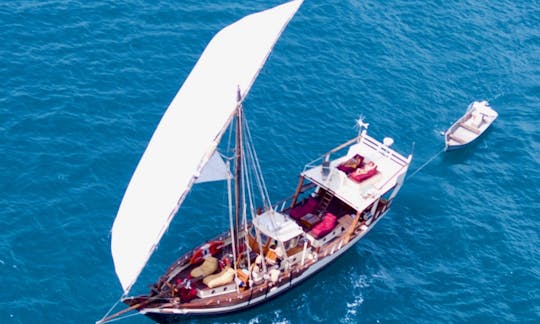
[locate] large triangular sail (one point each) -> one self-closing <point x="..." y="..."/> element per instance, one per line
<point x="178" y="150"/>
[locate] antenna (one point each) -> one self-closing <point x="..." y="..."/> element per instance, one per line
<point x="361" y="124"/>
<point x="362" y="127"/>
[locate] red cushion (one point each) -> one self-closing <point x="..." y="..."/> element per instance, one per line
<point x="308" y="207"/>
<point x="351" y="164"/>
<point x="364" y="173"/>
<point x="325" y="226"/>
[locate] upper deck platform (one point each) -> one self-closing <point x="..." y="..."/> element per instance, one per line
<point x="391" y="170"/>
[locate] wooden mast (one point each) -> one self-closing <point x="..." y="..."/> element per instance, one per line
<point x="238" y="174"/>
<point x="297" y="192"/>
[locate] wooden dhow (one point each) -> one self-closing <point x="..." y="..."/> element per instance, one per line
<point x="269" y="247"/>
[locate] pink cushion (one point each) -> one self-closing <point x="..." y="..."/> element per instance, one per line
<point x="325" y="226"/>
<point x="351" y="164"/>
<point x="308" y="207"/>
<point x="363" y="173"/>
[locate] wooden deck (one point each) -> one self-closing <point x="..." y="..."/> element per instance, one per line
<point x="243" y="294"/>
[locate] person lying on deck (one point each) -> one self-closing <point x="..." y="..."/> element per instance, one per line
<point x="351" y="164"/>
<point x="367" y="171"/>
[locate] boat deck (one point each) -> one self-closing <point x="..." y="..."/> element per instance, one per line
<point x="359" y="195"/>
<point x="311" y="252"/>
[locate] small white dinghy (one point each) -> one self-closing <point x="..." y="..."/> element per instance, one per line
<point x="469" y="127"/>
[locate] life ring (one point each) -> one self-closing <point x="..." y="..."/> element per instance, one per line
<point x="210" y="248"/>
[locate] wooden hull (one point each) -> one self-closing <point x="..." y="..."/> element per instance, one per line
<point x="453" y="147"/>
<point x="281" y="246"/>
<point x="284" y="245"/>
<point x="164" y="312"/>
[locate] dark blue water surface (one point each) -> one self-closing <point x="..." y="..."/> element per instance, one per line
<point x="84" y="84"/>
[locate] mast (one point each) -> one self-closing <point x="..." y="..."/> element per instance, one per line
<point x="239" y="200"/>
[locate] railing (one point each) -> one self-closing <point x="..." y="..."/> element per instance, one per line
<point x="319" y="160"/>
<point x="369" y="142"/>
<point x="392" y="177"/>
<point x="286" y="203"/>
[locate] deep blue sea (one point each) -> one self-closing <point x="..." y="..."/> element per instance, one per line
<point x="83" y="84"/>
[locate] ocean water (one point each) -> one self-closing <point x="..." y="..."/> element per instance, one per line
<point x="84" y="84"/>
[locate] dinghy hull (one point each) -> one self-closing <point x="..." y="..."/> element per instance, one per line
<point x="469" y="127"/>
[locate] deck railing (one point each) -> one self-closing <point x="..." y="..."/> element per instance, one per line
<point x="369" y="142"/>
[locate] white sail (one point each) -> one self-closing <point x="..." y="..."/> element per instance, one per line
<point x="214" y="170"/>
<point x="188" y="134"/>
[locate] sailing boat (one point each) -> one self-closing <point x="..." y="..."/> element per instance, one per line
<point x="269" y="248"/>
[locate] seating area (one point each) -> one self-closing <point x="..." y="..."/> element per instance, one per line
<point x="351" y="164"/>
<point x="476" y="119"/>
<point x="327" y="224"/>
<point x="309" y="220"/>
<point x="219" y="279"/>
<point x="357" y="170"/>
<point x="206" y="272"/>
<point x="309" y="206"/>
<point x="365" y="172"/>
<point x="209" y="266"/>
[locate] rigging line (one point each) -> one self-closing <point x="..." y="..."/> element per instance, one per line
<point x="250" y="189"/>
<point x="123" y="317"/>
<point x="425" y="164"/>
<point x="260" y="178"/>
<point x="248" y="183"/>
<point x="257" y="169"/>
<point x="229" y="197"/>
<point x="110" y="310"/>
<point x="252" y="157"/>
<point x="246" y="186"/>
<point x="248" y="176"/>
<point x="245" y="225"/>
<point x="251" y="193"/>
<point x="258" y="181"/>
<point x="258" y="173"/>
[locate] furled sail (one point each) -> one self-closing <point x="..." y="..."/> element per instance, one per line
<point x="188" y="134"/>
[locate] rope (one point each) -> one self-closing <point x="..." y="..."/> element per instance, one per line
<point x="109" y="311"/>
<point x="257" y="167"/>
<point x="495" y="97"/>
<point x="425" y="164"/>
<point x="123" y="317"/>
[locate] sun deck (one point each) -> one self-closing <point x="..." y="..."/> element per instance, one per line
<point x="359" y="195"/>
